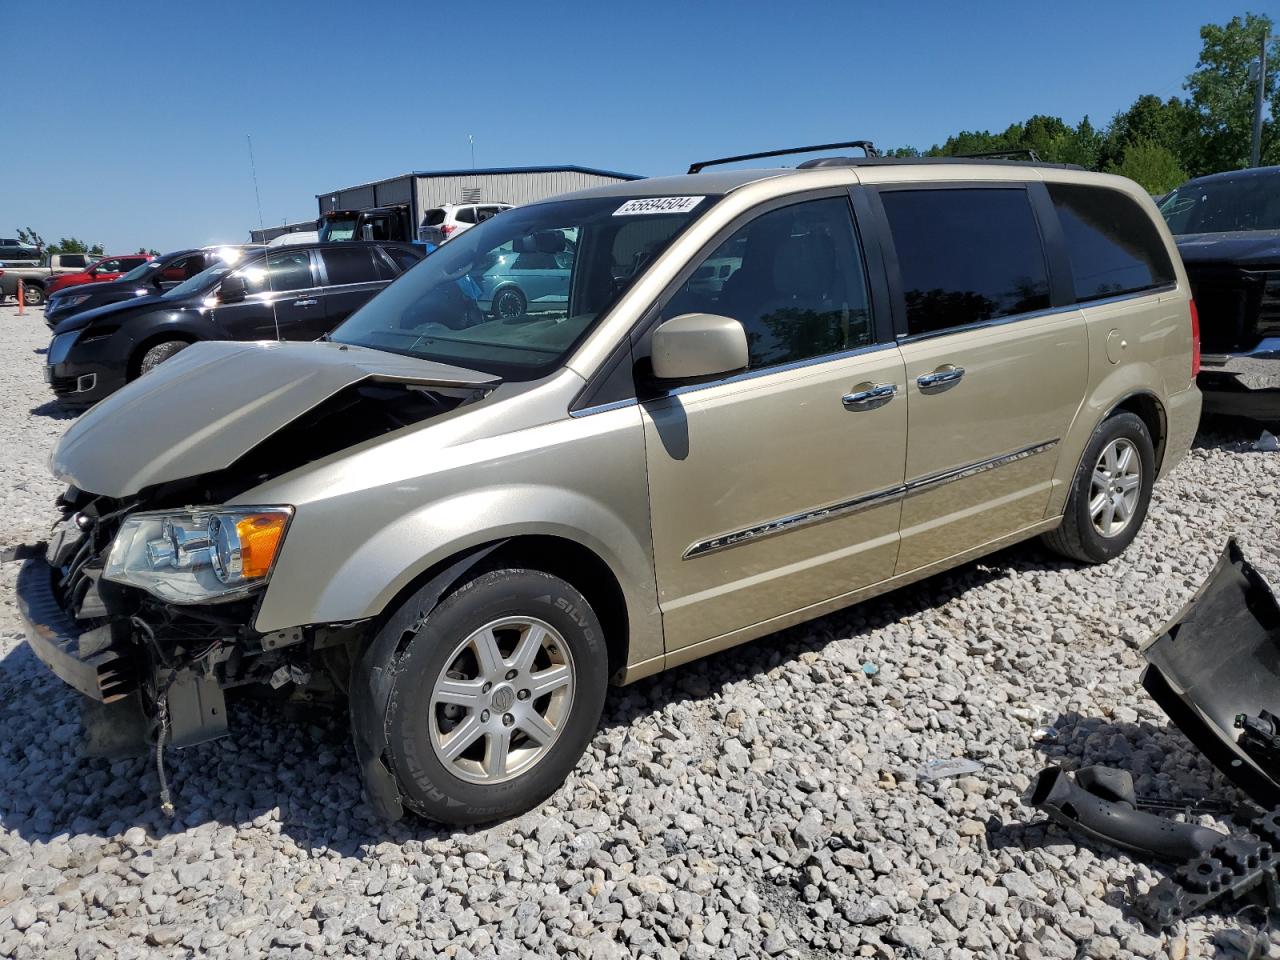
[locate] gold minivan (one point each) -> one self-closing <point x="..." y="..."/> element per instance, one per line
<point x="731" y="402"/>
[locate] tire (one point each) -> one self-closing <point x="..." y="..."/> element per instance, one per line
<point x="442" y="659"/>
<point x="1083" y="534"/>
<point x="32" y="294"/>
<point x="509" y="303"/>
<point x="158" y="353"/>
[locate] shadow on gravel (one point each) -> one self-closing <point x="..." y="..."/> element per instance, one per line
<point x="303" y="765"/>
<point x="54" y="411"/>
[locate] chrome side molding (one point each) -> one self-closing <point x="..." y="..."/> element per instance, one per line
<point x="845" y="507"/>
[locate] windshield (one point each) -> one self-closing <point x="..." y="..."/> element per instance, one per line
<point x="201" y="281"/>
<point x="1247" y="203"/>
<point x="142" y="269"/>
<point x="338" y="228"/>
<point x="513" y="295"/>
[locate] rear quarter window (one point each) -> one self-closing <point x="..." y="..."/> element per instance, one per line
<point x="1114" y="246"/>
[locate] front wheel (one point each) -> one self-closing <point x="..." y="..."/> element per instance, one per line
<point x="158" y="354"/>
<point x="32" y="294"/>
<point x="496" y="695"/>
<point x="1110" y="494"/>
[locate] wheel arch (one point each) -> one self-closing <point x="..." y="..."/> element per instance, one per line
<point x="1148" y="408"/>
<point x="571" y="561"/>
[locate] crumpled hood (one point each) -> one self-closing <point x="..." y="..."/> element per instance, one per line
<point x="1242" y="248"/>
<point x="213" y="402"/>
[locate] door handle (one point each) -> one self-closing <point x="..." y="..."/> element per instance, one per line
<point x="947" y="375"/>
<point x="862" y="398"/>
<point x="305" y="303"/>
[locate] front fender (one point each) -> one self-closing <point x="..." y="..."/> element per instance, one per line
<point x="329" y="572"/>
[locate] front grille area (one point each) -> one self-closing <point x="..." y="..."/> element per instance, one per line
<point x="63" y="385"/>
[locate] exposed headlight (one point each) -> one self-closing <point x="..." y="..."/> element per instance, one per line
<point x="70" y="299"/>
<point x="200" y="555"/>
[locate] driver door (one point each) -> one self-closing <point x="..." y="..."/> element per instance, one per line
<point x="779" y="488"/>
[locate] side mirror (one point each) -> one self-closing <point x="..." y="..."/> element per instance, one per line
<point x="232" y="290"/>
<point x="694" y="347"/>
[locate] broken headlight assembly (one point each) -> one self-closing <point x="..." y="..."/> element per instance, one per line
<point x="199" y="555"/>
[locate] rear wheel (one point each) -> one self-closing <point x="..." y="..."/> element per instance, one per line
<point x="32" y="294"/>
<point x="509" y="303"/>
<point x="1110" y="494"/>
<point x="158" y="354"/>
<point x="496" y="695"/>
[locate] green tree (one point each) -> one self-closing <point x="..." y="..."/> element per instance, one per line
<point x="75" y="245"/>
<point x="1173" y="124"/>
<point x="30" y="237"/>
<point x="1223" y="97"/>
<point x="1152" y="165"/>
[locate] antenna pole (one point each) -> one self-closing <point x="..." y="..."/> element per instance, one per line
<point x="266" y="259"/>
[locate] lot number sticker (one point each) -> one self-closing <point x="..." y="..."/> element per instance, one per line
<point x="658" y="205"/>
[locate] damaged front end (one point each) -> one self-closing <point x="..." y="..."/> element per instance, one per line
<point x="146" y="594"/>
<point x="152" y="663"/>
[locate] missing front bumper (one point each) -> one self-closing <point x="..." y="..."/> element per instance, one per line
<point x="91" y="661"/>
<point x="1216" y="671"/>
<point x="118" y="708"/>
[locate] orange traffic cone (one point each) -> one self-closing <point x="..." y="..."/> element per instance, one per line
<point x="22" y="298"/>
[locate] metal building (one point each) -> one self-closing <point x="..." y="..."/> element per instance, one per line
<point x="421" y="190"/>
<point x="270" y="233"/>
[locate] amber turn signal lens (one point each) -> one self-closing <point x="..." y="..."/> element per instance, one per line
<point x="259" y="540"/>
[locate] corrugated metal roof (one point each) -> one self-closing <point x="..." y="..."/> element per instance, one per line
<point x="488" y="171"/>
<point x="719" y="182"/>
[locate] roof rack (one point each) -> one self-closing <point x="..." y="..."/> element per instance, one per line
<point x="819" y="162"/>
<point x="1003" y="155"/>
<point x="866" y="146"/>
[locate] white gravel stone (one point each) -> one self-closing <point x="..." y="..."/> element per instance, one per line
<point x="764" y="802"/>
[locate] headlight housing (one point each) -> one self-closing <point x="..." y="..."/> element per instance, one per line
<point x="200" y="555"/>
<point x="71" y="299"/>
<point x="60" y="346"/>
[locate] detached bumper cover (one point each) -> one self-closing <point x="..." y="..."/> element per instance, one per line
<point x="1219" y="660"/>
<point x="84" y="659"/>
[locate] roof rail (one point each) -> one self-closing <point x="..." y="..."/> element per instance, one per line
<point x="820" y="162"/>
<point x="866" y="146"/>
<point x="1002" y="155"/>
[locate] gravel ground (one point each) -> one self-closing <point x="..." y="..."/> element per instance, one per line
<point x="760" y="803"/>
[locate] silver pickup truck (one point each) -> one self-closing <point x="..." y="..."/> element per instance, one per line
<point x="35" y="277"/>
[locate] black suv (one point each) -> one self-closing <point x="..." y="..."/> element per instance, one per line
<point x="1227" y="227"/>
<point x="286" y="293"/>
<point x="148" y="279"/>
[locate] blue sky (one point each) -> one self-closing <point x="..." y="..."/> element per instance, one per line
<point x="139" y="113"/>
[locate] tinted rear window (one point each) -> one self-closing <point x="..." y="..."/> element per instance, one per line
<point x="403" y="257"/>
<point x="966" y="255"/>
<point x="349" y="265"/>
<point x="1113" y="245"/>
<point x="433" y="218"/>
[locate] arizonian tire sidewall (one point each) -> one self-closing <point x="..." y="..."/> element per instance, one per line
<point x="1131" y="427"/>
<point x="426" y="785"/>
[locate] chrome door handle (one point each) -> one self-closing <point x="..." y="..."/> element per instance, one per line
<point x="881" y="391"/>
<point x="940" y="376"/>
<point x="305" y="303"/>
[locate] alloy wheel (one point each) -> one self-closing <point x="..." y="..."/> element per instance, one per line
<point x="502" y="700"/>
<point x="1116" y="487"/>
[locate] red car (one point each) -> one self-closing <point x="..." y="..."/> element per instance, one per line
<point x="108" y="268"/>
